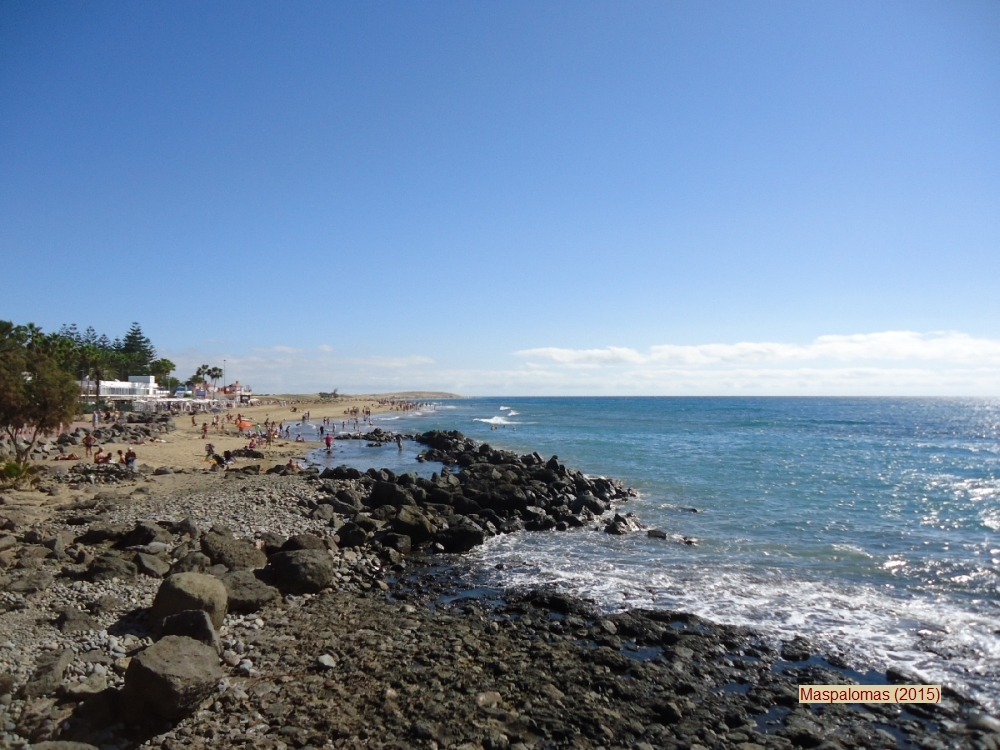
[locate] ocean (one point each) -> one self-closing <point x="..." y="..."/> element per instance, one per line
<point x="870" y="526"/>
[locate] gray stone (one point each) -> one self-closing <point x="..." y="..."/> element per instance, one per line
<point x="193" y="562"/>
<point x="247" y="593"/>
<point x="62" y="745"/>
<point x="109" y="566"/>
<point x="72" y="620"/>
<point x="171" y="678"/>
<point x="303" y="541"/>
<point x="48" y="673"/>
<point x="235" y="554"/>
<point x="303" y="571"/>
<point x="152" y="565"/>
<point x="190" y="591"/>
<point x="30" y="583"/>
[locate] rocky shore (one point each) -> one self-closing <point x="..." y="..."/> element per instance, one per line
<point x="251" y="609"/>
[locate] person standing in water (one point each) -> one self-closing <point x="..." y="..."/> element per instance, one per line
<point x="329" y="443"/>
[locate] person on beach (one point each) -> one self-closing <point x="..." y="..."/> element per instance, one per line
<point x="89" y="441"/>
<point x="130" y="458"/>
<point x="399" y="442"/>
<point x="204" y="430"/>
<point x="329" y="443"/>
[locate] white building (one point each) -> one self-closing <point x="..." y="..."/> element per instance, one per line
<point x="137" y="387"/>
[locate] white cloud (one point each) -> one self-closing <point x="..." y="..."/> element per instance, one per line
<point x="887" y="346"/>
<point x="888" y="363"/>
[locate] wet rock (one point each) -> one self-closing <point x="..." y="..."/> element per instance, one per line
<point x="462" y="535"/>
<point x="62" y="745"/>
<point x="304" y="571"/>
<point x="797" y="649"/>
<point x="620" y="524"/>
<point x="247" y="593"/>
<point x="185" y="591"/>
<point x="171" y="678"/>
<point x="399" y="542"/>
<point x="235" y="554"/>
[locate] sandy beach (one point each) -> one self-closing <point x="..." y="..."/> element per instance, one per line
<point x="184" y="448"/>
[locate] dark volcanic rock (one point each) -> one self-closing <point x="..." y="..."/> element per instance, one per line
<point x="170" y="678"/>
<point x="462" y="535"/>
<point x="351" y="535"/>
<point x="193" y="562"/>
<point x="110" y="566"/>
<point x="233" y="553"/>
<point x="414" y="524"/>
<point x="247" y="593"/>
<point x="303" y="541"/>
<point x="48" y="674"/>
<point x="386" y="493"/>
<point x="185" y="591"/>
<point x="304" y="571"/>
<point x="192" y="623"/>
<point x="72" y="620"/>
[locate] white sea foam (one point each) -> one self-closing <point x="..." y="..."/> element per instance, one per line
<point x="512" y="413"/>
<point x="871" y="627"/>
<point x="504" y="408"/>
<point x="495" y="420"/>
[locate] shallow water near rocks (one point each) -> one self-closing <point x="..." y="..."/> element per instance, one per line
<point x="868" y="525"/>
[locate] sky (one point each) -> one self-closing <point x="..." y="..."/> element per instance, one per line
<point x="514" y="198"/>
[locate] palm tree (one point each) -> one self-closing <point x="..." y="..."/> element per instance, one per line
<point x="214" y="373"/>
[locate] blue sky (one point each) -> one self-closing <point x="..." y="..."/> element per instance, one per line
<point x="514" y="198"/>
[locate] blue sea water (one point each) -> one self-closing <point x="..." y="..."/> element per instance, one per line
<point x="871" y="526"/>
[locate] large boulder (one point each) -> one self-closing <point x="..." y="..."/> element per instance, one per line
<point x="302" y="571"/>
<point x="235" y="554"/>
<point x="462" y="535"/>
<point x="109" y="566"/>
<point x="171" y="678"/>
<point x="413" y="523"/>
<point x="247" y="593"/>
<point x="351" y="535"/>
<point x="387" y="493"/>
<point x="184" y="591"/>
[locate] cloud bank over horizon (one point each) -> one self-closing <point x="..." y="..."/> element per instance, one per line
<point x="887" y="363"/>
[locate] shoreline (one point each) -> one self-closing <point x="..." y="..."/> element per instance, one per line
<point x="547" y="657"/>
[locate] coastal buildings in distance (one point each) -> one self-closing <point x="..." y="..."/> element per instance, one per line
<point x="143" y="392"/>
